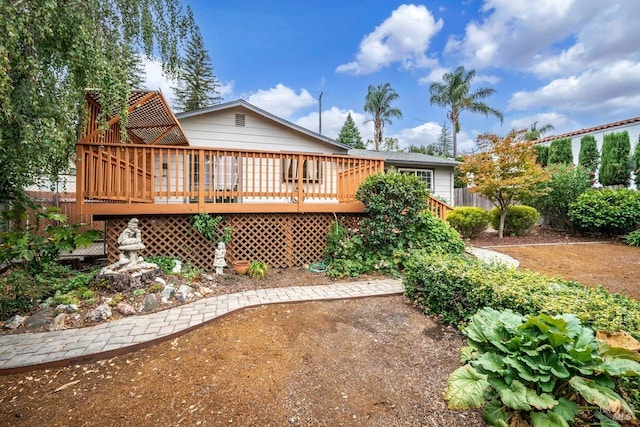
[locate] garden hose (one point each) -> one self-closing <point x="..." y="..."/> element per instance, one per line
<point x="319" y="267"/>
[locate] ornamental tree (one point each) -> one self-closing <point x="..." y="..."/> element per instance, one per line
<point x="350" y="135"/>
<point x="505" y="171"/>
<point x="589" y="156"/>
<point x="560" y="152"/>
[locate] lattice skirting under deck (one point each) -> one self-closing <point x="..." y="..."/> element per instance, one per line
<point x="280" y="240"/>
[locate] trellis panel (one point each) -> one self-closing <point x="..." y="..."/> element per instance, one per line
<point x="280" y="240"/>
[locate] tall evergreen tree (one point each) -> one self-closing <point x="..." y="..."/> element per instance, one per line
<point x="454" y="92"/>
<point x="560" y="152"/>
<point x="378" y="103"/>
<point x="137" y="72"/>
<point x="446" y="140"/>
<point x="197" y="86"/>
<point x="350" y="135"/>
<point x="542" y="154"/>
<point x="614" y="169"/>
<point x="589" y="156"/>
<point x="635" y="161"/>
<point x="51" y="52"/>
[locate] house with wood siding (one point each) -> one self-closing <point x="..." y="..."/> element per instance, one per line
<point x="277" y="184"/>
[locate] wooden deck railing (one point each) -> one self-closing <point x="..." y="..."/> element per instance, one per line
<point x="137" y="179"/>
<point x="438" y="208"/>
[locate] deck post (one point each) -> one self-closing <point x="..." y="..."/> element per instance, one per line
<point x="201" y="183"/>
<point x="300" y="181"/>
<point x="80" y="179"/>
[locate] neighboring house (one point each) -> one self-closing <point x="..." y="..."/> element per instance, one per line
<point x="632" y="126"/>
<point x="277" y="184"/>
<point x="437" y="172"/>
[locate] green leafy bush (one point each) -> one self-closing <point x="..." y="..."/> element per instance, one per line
<point x="560" y="152"/>
<point x="635" y="163"/>
<point x="165" y="263"/>
<point x="391" y="202"/>
<point x="455" y="287"/>
<point x="212" y="227"/>
<point x="614" y="169"/>
<point x="258" y="269"/>
<point x="432" y="234"/>
<point x="633" y="238"/>
<point x="564" y="187"/>
<point x="539" y="370"/>
<point x="608" y="211"/>
<point x="469" y="221"/>
<point x="519" y="220"/>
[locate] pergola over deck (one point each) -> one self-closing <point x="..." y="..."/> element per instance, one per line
<point x="155" y="171"/>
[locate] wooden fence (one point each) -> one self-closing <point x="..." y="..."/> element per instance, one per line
<point x="464" y="197"/>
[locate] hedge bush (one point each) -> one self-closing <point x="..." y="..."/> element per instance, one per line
<point x="560" y="152"/>
<point x="608" y="211"/>
<point x="469" y="221"/>
<point x="456" y="287"/>
<point x="614" y="169"/>
<point x="519" y="220"/>
<point x="542" y="155"/>
<point x="589" y="156"/>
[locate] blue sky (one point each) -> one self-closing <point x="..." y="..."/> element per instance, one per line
<point x="573" y="64"/>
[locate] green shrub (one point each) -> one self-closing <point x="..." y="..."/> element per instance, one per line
<point x="615" y="169"/>
<point x="432" y="234"/>
<point x="633" y="238"/>
<point x="537" y="370"/>
<point x="542" y="155"/>
<point x="564" y="187"/>
<point x="469" y="221"/>
<point x="455" y="287"/>
<point x="560" y="152"/>
<point x="165" y="263"/>
<point x="391" y="202"/>
<point x="608" y="211"/>
<point x="258" y="269"/>
<point x="212" y="227"/>
<point x="589" y="157"/>
<point x="635" y="163"/>
<point x="519" y="220"/>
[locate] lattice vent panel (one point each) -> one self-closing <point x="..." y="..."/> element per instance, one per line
<point x="280" y="240"/>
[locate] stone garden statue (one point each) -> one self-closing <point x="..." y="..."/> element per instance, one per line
<point x="218" y="258"/>
<point x="129" y="243"/>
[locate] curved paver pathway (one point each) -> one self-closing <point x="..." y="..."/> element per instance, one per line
<point x="24" y="352"/>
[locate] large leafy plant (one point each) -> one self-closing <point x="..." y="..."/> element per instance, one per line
<point x="540" y="370"/>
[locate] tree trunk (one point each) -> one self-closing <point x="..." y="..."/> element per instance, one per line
<point x="455" y="143"/>
<point x="503" y="215"/>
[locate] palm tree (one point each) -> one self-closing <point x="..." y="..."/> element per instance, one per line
<point x="536" y="133"/>
<point x="378" y="104"/>
<point x="453" y="92"/>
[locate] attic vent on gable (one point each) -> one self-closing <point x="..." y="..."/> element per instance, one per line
<point x="240" y="119"/>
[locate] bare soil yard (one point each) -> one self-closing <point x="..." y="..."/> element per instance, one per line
<point x="366" y="362"/>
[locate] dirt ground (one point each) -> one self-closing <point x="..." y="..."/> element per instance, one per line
<point x="366" y="362"/>
<point x="611" y="263"/>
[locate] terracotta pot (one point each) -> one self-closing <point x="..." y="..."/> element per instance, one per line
<point x="241" y="266"/>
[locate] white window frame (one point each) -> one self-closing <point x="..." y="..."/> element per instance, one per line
<point x="418" y="172"/>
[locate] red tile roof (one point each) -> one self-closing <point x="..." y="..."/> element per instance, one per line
<point x="589" y="130"/>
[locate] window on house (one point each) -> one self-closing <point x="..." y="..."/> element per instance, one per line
<point x="311" y="170"/>
<point x="220" y="172"/>
<point x="425" y="175"/>
<point x="240" y="119"/>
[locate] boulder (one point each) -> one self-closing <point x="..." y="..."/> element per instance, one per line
<point x="99" y="314"/>
<point x="14" y="322"/>
<point x="58" y="322"/>
<point x="125" y="309"/>
<point x="40" y="319"/>
<point x="150" y="303"/>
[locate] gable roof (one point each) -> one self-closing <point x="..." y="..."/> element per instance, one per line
<point x="150" y="119"/>
<point x="590" y="130"/>
<point x="267" y="115"/>
<point x="399" y="158"/>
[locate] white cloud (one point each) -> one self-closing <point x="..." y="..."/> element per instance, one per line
<point x="610" y="89"/>
<point x="434" y="76"/>
<point x="403" y="37"/>
<point x="281" y="100"/>
<point x="561" y="122"/>
<point x="333" y="120"/>
<point x="423" y="135"/>
<point x="226" y="90"/>
<point x="155" y="79"/>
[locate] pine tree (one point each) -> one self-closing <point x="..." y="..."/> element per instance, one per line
<point x="615" y="159"/>
<point x="446" y="140"/>
<point x="542" y="155"/>
<point x="350" y="135"/>
<point x="635" y="159"/>
<point x="589" y="156"/>
<point x="197" y="86"/>
<point x="137" y="72"/>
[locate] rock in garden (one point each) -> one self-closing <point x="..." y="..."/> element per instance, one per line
<point x="125" y="309"/>
<point x="204" y="290"/>
<point x="167" y="293"/>
<point x="184" y="293"/>
<point x="14" y="322"/>
<point x="209" y="277"/>
<point x="150" y="303"/>
<point x="161" y="281"/>
<point x="61" y="308"/>
<point x="72" y="308"/>
<point x="39" y="319"/>
<point x="58" y="322"/>
<point x="100" y="313"/>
